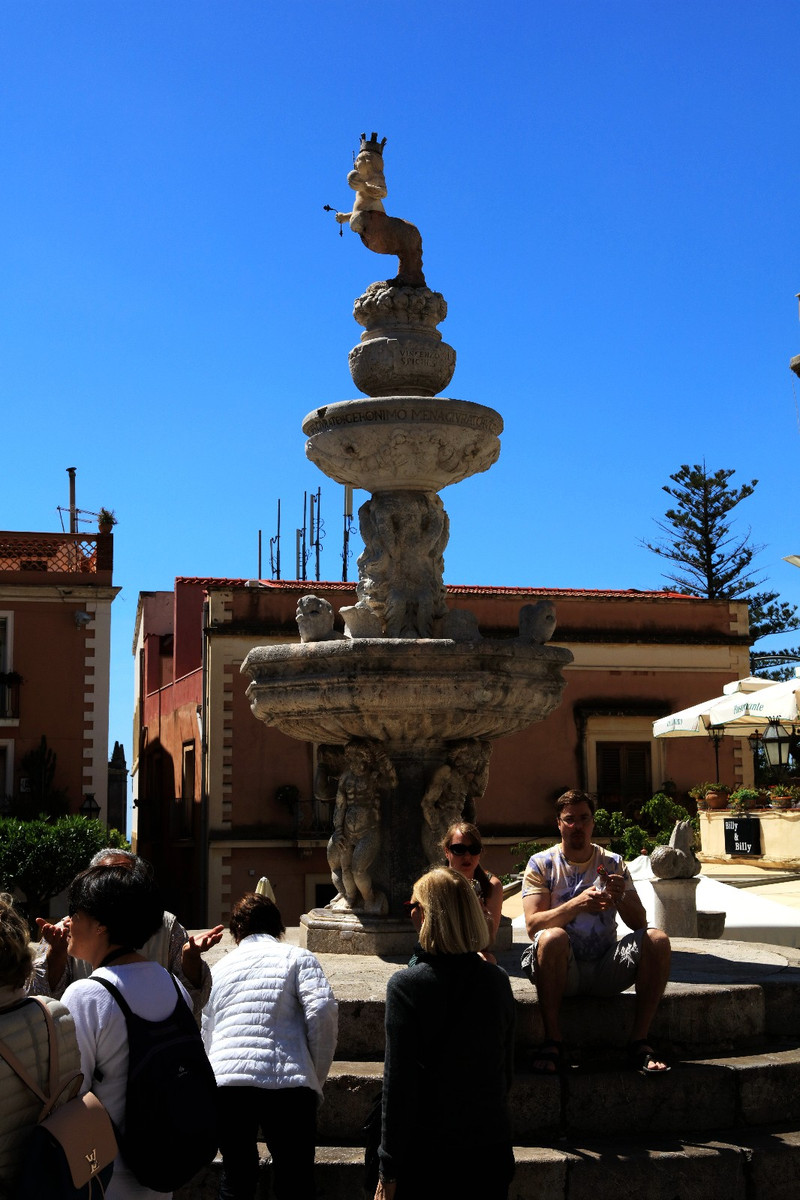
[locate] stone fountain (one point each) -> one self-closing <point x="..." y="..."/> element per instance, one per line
<point x="404" y="705"/>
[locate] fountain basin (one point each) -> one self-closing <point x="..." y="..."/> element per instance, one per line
<point x="403" y="691"/>
<point x="403" y="443"/>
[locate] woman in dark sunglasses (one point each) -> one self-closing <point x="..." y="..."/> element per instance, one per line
<point x="462" y="847"/>
<point x="449" y="1055"/>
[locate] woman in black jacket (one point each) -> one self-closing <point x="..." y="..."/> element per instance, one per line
<point x="449" y="1056"/>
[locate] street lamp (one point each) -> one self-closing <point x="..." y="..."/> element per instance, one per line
<point x="777" y="742"/>
<point x="715" y="736"/>
<point x="90" y="808"/>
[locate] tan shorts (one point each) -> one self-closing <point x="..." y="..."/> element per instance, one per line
<point x="612" y="973"/>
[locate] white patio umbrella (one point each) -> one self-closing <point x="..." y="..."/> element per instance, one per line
<point x="695" y="721"/>
<point x="745" y="714"/>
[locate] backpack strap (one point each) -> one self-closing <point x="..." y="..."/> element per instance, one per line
<point x="49" y="1098"/>
<point x="127" y="1011"/>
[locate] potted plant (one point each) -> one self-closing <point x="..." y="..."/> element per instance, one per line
<point x="782" y="795"/>
<point x="743" y="799"/>
<point x="106" y="520"/>
<point x="717" y="795"/>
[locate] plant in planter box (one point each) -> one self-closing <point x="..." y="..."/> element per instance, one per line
<point x="782" y="795"/>
<point x="743" y="799"/>
<point x="717" y="795"/>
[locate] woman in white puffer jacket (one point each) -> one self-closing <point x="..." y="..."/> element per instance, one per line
<point x="270" y="1032"/>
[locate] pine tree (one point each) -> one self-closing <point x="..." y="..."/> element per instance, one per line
<point x="709" y="559"/>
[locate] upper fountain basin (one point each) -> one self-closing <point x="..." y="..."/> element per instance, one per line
<point x="403" y="443"/>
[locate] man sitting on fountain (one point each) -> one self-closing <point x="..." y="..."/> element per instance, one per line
<point x="571" y="895"/>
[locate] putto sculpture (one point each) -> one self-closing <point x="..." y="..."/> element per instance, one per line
<point x="355" y="840"/>
<point x="378" y="231"/>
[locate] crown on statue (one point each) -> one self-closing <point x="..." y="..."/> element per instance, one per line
<point x="373" y="145"/>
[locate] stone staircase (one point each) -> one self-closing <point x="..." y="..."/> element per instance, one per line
<point x="725" y="1122"/>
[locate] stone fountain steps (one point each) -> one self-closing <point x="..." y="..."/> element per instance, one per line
<point x="724" y="1122"/>
<point x="696" y="1097"/>
<point x="736" y="1164"/>
<point x="731" y="1165"/>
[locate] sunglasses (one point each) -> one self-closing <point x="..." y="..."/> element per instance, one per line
<point x="410" y="905"/>
<point x="461" y="848"/>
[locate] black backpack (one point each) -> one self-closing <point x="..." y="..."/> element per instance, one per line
<point x="170" y="1102"/>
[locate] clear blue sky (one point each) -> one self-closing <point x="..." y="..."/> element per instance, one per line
<point x="608" y="197"/>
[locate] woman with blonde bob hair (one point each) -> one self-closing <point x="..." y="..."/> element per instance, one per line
<point x="449" y="1054"/>
<point x="452" y="920"/>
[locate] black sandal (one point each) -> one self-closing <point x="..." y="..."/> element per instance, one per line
<point x="641" y="1056"/>
<point x="553" y="1054"/>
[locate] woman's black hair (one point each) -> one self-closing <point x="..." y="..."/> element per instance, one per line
<point x="255" y="914"/>
<point x="124" y="899"/>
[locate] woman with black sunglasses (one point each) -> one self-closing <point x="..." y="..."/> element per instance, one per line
<point x="462" y="846"/>
<point x="449" y="1055"/>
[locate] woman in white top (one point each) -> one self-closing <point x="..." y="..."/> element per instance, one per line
<point x="270" y="1032"/>
<point x="111" y="910"/>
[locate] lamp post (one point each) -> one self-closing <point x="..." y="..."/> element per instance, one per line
<point x="777" y="743"/>
<point x="90" y="808"/>
<point x="715" y="735"/>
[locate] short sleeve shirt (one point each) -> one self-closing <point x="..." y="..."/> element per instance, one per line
<point x="590" y="934"/>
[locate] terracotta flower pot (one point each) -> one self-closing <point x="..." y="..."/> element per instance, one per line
<point x="717" y="799"/>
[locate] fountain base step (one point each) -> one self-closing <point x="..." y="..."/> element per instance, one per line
<point x="326" y="931"/>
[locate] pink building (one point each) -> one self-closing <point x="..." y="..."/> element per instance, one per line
<point x="222" y="799"/>
<point x="55" y="638"/>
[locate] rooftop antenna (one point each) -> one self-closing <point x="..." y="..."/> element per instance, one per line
<point x="347" y="527"/>
<point x="275" y="549"/>
<point x="315" y="527"/>
<point x="304" y="558"/>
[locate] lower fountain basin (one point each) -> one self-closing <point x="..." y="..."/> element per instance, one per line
<point x="401" y="691"/>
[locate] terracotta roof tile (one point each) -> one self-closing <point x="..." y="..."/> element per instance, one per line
<point x="452" y="588"/>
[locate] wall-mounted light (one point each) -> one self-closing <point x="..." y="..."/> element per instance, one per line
<point x="83" y="618"/>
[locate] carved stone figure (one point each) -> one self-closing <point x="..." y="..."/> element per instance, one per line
<point x="330" y="764"/>
<point x="677" y="860"/>
<point x="537" y="622"/>
<point x="378" y="231"/>
<point x="314" y="618"/>
<point x="453" y="792"/>
<point x="355" y="840"/>
<point x="401" y="568"/>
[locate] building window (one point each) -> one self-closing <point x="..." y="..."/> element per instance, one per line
<point x="9" y="680"/>
<point x="624" y="775"/>
<point x="621" y="759"/>
<point x="187" y="790"/>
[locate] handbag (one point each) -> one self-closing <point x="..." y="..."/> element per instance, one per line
<point x="71" y="1151"/>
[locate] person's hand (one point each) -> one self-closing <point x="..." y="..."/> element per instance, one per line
<point x="615" y="886"/>
<point x="592" y="901"/>
<point x="56" y="936"/>
<point x="198" y="943"/>
<point x="194" y="947"/>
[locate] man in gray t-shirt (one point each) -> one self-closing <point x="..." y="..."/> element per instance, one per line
<point x="571" y="895"/>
